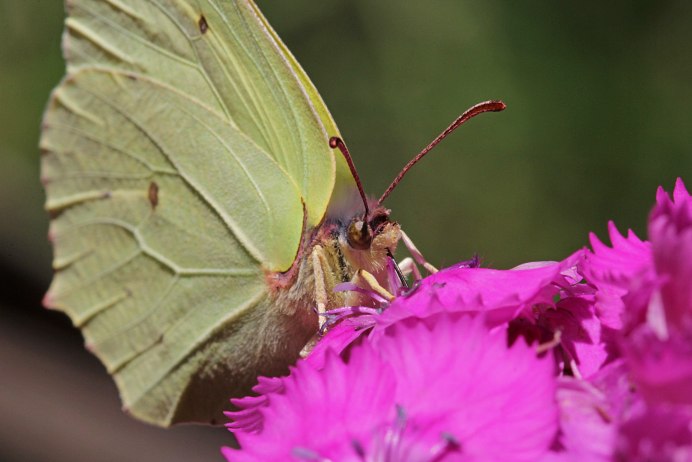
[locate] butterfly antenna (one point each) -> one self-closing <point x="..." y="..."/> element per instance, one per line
<point x="336" y="142"/>
<point x="486" y="106"/>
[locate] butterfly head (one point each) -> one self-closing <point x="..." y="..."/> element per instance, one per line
<point x="363" y="231"/>
<point x="367" y="241"/>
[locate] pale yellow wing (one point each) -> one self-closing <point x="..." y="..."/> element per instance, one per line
<point x="180" y="153"/>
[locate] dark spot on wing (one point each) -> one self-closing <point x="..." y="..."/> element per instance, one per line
<point x="203" y="26"/>
<point x="153" y="194"/>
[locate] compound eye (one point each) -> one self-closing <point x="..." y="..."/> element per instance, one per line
<point x="378" y="220"/>
<point x="359" y="235"/>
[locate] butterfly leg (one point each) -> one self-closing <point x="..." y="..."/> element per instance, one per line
<point x="408" y="266"/>
<point x="319" y="263"/>
<point x="364" y="296"/>
<point x="415" y="253"/>
<point x="369" y="284"/>
<point x="320" y="268"/>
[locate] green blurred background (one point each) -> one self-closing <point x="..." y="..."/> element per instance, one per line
<point x="599" y="97"/>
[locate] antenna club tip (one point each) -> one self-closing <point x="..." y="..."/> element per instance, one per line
<point x="493" y="105"/>
<point x="334" y="142"/>
<point x="498" y="105"/>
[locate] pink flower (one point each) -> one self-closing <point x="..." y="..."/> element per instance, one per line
<point x="585" y="345"/>
<point x="656" y="434"/>
<point x="647" y="285"/>
<point x="661" y="368"/>
<point x="429" y="376"/>
<point x="497" y="402"/>
<point x="670" y="232"/>
<point x="646" y="289"/>
<point x="659" y="347"/>
<point x="591" y="412"/>
<point x="586" y="431"/>
<point x="442" y="388"/>
<point x="500" y="294"/>
<point x="248" y="417"/>
<point x="625" y="270"/>
<point x="544" y="302"/>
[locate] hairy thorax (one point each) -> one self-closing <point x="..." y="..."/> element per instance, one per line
<point x="327" y="260"/>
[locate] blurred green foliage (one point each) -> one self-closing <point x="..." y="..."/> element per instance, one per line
<point x="598" y="96"/>
<point x="30" y="65"/>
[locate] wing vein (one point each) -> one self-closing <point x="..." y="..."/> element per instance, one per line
<point x="146" y="43"/>
<point x="255" y="186"/>
<point x="133" y="324"/>
<point x="302" y="148"/>
<point x="230" y="224"/>
<point x="277" y="146"/>
<point x="202" y="70"/>
<point x="144" y="248"/>
<point x="97" y="276"/>
<point x="197" y="342"/>
<point x="86" y="135"/>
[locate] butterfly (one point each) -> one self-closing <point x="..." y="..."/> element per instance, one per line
<point x="201" y="214"/>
